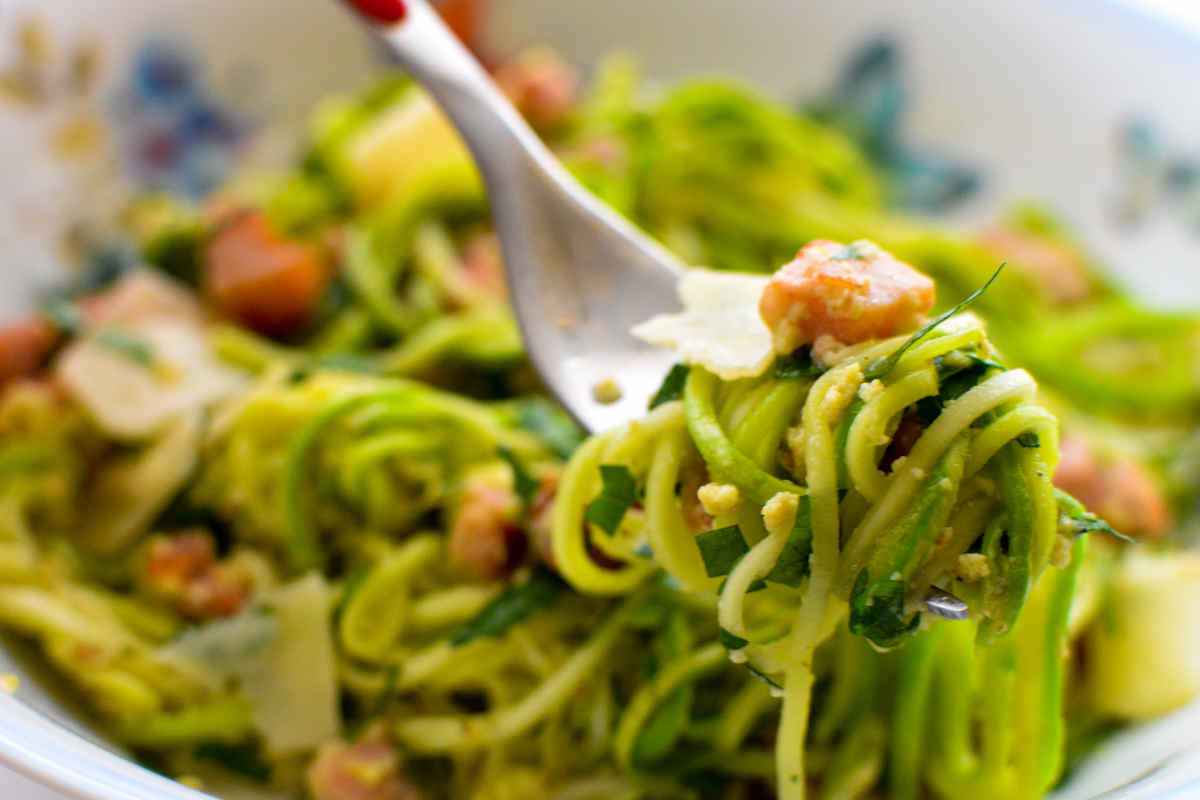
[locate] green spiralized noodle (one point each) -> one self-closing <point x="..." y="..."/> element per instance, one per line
<point x="571" y="537"/>
<point x="868" y="432"/>
<point x="336" y="458"/>
<point x="919" y="517"/>
<point x="679" y="673"/>
<point x="375" y="616"/>
<point x="957" y="418"/>
<point x="449" y="734"/>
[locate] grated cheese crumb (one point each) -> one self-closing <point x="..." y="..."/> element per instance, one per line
<point x="842" y="392"/>
<point x="869" y="391"/>
<point x="973" y="567"/>
<point x="779" y="514"/>
<point x="719" y="498"/>
<point x="827" y="351"/>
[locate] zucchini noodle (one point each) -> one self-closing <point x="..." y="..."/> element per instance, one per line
<point x="379" y="561"/>
<point x="966" y="482"/>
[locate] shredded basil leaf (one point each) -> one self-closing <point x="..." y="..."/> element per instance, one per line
<point x="128" y="346"/>
<point x="755" y="586"/>
<point x="791" y="568"/>
<point x="764" y="677"/>
<point x="985" y="362"/>
<point x="721" y="549"/>
<point x="1075" y="520"/>
<point x="797" y="365"/>
<point x="880" y="367"/>
<point x="663" y="729"/>
<point x="244" y="760"/>
<point x="618" y="494"/>
<point x="731" y="641"/>
<point x="550" y="424"/>
<point x="672" y="386"/>
<point x="855" y="251"/>
<point x="877" y="611"/>
<point x="347" y="362"/>
<point x="525" y="484"/>
<point x="515" y="605"/>
<point x="65" y="315"/>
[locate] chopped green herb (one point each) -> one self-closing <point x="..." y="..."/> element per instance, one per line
<point x="513" y="606"/>
<point x="345" y="362"/>
<point x="128" y="346"/>
<point x="855" y="251"/>
<point x="666" y="725"/>
<point x="985" y="362"/>
<point x="178" y="250"/>
<point x="241" y="759"/>
<point x="672" y="386"/>
<point x="388" y="695"/>
<point x="525" y="484"/>
<point x="550" y="424"/>
<point x="721" y="549"/>
<point x="755" y="586"/>
<point x="764" y="677"/>
<point x="880" y="367"/>
<point x="953" y="385"/>
<point x="618" y="494"/>
<point x="65" y="315"/>
<point x="350" y="586"/>
<point x="1075" y="520"/>
<point x="731" y="641"/>
<point x="797" y="365"/>
<point x="877" y="611"/>
<point x="791" y="568"/>
<point x="19" y="456"/>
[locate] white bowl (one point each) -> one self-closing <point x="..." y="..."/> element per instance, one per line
<point x="1033" y="92"/>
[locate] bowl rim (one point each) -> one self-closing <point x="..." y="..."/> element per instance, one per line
<point x="48" y="753"/>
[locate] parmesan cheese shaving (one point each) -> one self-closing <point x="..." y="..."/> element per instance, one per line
<point x="719" y="328"/>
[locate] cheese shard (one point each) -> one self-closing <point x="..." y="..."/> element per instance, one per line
<point x="133" y="400"/>
<point x="719" y="328"/>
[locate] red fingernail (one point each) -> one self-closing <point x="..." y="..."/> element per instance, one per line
<point x="387" y="12"/>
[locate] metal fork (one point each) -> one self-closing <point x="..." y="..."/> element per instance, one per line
<point x="580" y="275"/>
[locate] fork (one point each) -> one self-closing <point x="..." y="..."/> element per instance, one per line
<point x="580" y="275"/>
